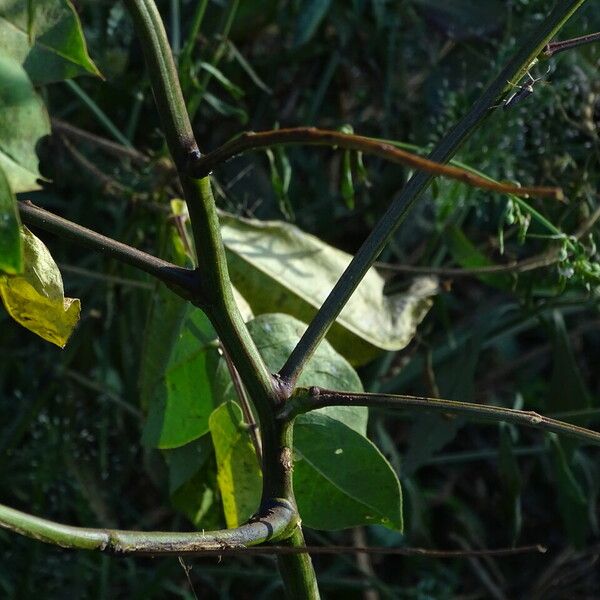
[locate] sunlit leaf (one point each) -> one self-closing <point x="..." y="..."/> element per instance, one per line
<point x="275" y="335"/>
<point x="36" y="299"/>
<point x="238" y="470"/>
<point x="11" y="247"/>
<point x="23" y="121"/>
<point x="279" y="268"/>
<point x="333" y="456"/>
<point x="341" y="479"/>
<point x="45" y="36"/>
<point x="179" y="359"/>
<point x="181" y="396"/>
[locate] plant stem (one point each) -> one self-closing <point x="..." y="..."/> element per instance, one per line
<point x="314" y="398"/>
<point x="164" y="80"/>
<point x="323" y="137"/>
<point x="217" y="296"/>
<point x="298" y="574"/>
<point x="449" y="145"/>
<point x="182" y="281"/>
<point x="273" y="523"/>
<point x="555" y="47"/>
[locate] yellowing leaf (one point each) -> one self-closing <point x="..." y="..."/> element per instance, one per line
<point x="238" y="472"/>
<point x="36" y="299"/>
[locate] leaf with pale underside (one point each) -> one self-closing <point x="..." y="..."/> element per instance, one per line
<point x="35" y="298"/>
<point x="23" y="121"/>
<point x="280" y="268"/>
<point x="45" y="36"/>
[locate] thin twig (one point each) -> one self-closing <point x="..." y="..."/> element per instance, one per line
<point x="544" y="259"/>
<point x="555" y="47"/>
<point x="183" y="281"/>
<point x="244" y="402"/>
<point x="523" y="266"/>
<point x="114" y="148"/>
<point x="315" y="398"/>
<point x="323" y="137"/>
<point x="107" y="184"/>
<point x="370" y="550"/>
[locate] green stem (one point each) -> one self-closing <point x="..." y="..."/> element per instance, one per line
<point x="314" y="398"/>
<point x="297" y="571"/>
<point x="164" y="80"/>
<point x="275" y="522"/>
<point x="385" y="228"/>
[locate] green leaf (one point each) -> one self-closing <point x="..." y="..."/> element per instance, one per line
<point x="275" y="335"/>
<point x="510" y="475"/>
<point x="571" y="499"/>
<point x="279" y="268"/>
<point x="347" y="184"/>
<point x="180" y="396"/>
<point x="23" y="121"/>
<point x="226" y="109"/>
<point x="178" y="363"/>
<point x="45" y="36"/>
<point x="322" y="473"/>
<point x="341" y="479"/>
<point x="192" y="483"/>
<point x="11" y="247"/>
<point x="312" y="13"/>
<point x="567" y="388"/>
<point x="281" y="176"/>
<point x="238" y="470"/>
<point x="35" y="298"/>
<point x="462" y="19"/>
<point x="184" y="462"/>
<point x="469" y="257"/>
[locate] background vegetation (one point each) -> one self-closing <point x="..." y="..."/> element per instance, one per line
<point x="525" y="337"/>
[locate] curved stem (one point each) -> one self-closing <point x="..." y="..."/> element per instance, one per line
<point x="182" y="281"/>
<point x="383" y="231"/>
<point x="315" y="398"/>
<point x="322" y="137"/>
<point x="275" y="521"/>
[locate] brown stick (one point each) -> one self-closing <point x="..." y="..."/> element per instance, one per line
<point x="202" y="166"/>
